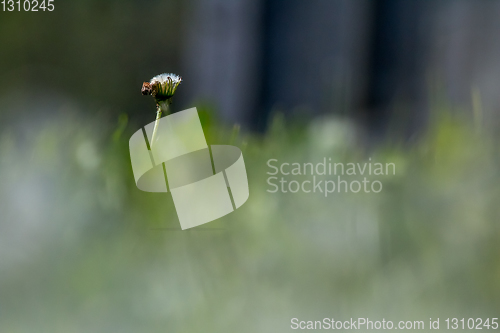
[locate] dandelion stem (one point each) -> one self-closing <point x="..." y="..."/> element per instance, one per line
<point x="159" y="109"/>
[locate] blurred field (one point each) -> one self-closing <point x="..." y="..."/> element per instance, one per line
<point x="83" y="250"/>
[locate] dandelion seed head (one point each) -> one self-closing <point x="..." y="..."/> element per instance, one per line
<point x="164" y="78"/>
<point x="162" y="87"/>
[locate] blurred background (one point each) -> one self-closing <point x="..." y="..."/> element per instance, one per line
<point x="410" y="82"/>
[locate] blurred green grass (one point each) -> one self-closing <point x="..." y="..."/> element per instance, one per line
<point x="83" y="250"/>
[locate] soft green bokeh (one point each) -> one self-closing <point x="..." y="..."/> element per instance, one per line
<point x="83" y="250"/>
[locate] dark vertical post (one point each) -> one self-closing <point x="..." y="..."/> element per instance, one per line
<point x="398" y="65"/>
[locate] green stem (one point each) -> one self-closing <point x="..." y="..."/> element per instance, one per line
<point x="161" y="107"/>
